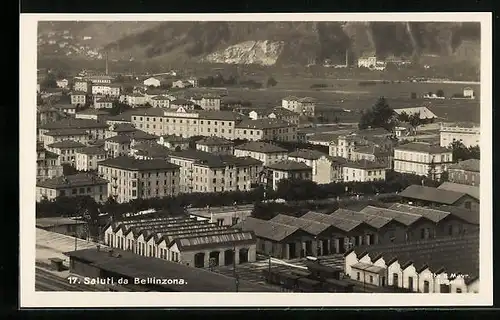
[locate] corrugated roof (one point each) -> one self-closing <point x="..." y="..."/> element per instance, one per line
<point x="472" y="191"/>
<point x="266" y="229"/>
<point x="339" y="223"/>
<point x="431" y="214"/>
<point x="436" y="195"/>
<point x="375" y="221"/>
<point x="309" y="226"/>
<point x="438" y="254"/>
<point x="402" y="217"/>
<point x="210" y="241"/>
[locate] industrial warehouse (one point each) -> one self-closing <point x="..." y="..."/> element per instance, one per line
<point x="317" y="234"/>
<point x="192" y="241"/>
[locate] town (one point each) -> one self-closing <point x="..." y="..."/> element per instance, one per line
<point x="165" y="176"/>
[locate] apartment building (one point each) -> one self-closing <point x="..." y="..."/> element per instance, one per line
<point x="118" y="145"/>
<point x="95" y="129"/>
<point x="344" y="146"/>
<point x="78" y="98"/>
<point x="100" y="79"/>
<point x="174" y="142"/>
<point x="422" y="159"/>
<point x="87" y="158"/>
<point x="279" y="113"/>
<point x="307" y="156"/>
<point x="48" y="164"/>
<point x="266" y="129"/>
<point x="215" y="145"/>
<point x="373" y="153"/>
<point x="82" y="86"/>
<point x="135" y="99"/>
<point x="131" y="178"/>
<point x="103" y="103"/>
<point x="287" y="169"/>
<point x="465" y="172"/>
<point x="69" y="109"/>
<point x="205" y="172"/>
<point x="265" y="152"/>
<point x="184" y="104"/>
<point x="329" y="169"/>
<point x="110" y="90"/>
<point x="160" y="102"/>
<point x="187" y="124"/>
<point x="303" y="106"/>
<point x="467" y="133"/>
<point x="66" y="150"/>
<point x="207" y="102"/>
<point x="57" y="135"/>
<point x="363" y="171"/>
<point x="82" y="184"/>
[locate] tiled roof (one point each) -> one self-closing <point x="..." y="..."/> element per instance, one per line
<point x="93" y="112"/>
<point x="182" y="102"/>
<point x="135" y="266"/>
<point x="92" y="150"/>
<point x="472" y="191"/>
<point x="289" y="165"/>
<point x="263" y="123"/>
<point x="436" y="195"/>
<point x="153" y="150"/>
<point x="213" y="141"/>
<point x="365" y="164"/>
<point x="262" y="147"/>
<point x="470" y="216"/>
<point x="339" y="223"/>
<point x="215" y="161"/>
<point x="375" y="221"/>
<point x="66" y="132"/>
<point x="422" y="147"/>
<point x="128" y="163"/>
<point x="74" y="123"/>
<point x="141" y="135"/>
<point x="440" y="254"/>
<point x="306" y="154"/>
<point x="280" y="111"/>
<point x="266" y="229"/>
<point x="431" y="214"/>
<point x="77" y="180"/>
<point x="309" y="226"/>
<point x="123" y="127"/>
<point x="221" y="115"/>
<point x="374" y="150"/>
<point x="405" y="218"/>
<point x="209" y="241"/>
<point x="121" y="138"/>
<point x="152" y="112"/>
<point x="473" y="165"/>
<point x="160" y="98"/>
<point x="66" y="144"/>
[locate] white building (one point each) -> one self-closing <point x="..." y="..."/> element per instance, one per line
<point x="266" y="152"/>
<point x="423" y="159"/>
<point x="304" y="106"/>
<point x="468" y="93"/>
<point x="367" y="62"/>
<point x="152" y="82"/>
<point x="63" y="83"/>
<point x="87" y="158"/>
<point x="467" y="133"/>
<point x="363" y="171"/>
<point x="136" y="99"/>
<point x="287" y="169"/>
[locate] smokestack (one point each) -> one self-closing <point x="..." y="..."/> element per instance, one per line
<point x="346" y="58"/>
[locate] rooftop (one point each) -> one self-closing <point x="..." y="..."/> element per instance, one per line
<point x="436" y="195"/>
<point x="339" y="223"/>
<point x="215" y="161"/>
<point x="365" y="164"/>
<point x="308" y="154"/>
<point x="129" y="163"/>
<point x="263" y="123"/>
<point x="66" y="132"/>
<point x="91" y="111"/>
<point x="405" y="218"/>
<point x="266" y="229"/>
<point x="65" y="106"/>
<point x="437" y="255"/>
<point x="289" y="165"/>
<point x="74" y="123"/>
<point x="472" y="191"/>
<point x="422" y="147"/>
<point x="66" y="144"/>
<point x="123" y="127"/>
<point x="262" y="147"/>
<point x="174" y="138"/>
<point x="132" y="265"/>
<point x="153" y="150"/>
<point x="373" y="220"/>
<point x="473" y="165"/>
<point x="214" y="141"/>
<point x="72" y="181"/>
<point x="120" y="138"/>
<point x="309" y="226"/>
<point x="221" y="115"/>
<point x="182" y="102"/>
<point x="424" y="112"/>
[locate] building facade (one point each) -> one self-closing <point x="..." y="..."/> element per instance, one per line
<point x="363" y="171"/>
<point x="48" y="164"/>
<point x="87" y="158"/>
<point x="81" y="184"/>
<point x="215" y="145"/>
<point x="468" y="134"/>
<point x="287" y="169"/>
<point x="465" y="172"/>
<point x="265" y="152"/>
<point x="422" y="159"/>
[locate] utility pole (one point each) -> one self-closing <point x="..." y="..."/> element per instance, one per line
<point x="236" y="281"/>
<point x="269" y="271"/>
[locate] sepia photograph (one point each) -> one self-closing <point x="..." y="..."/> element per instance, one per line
<point x="250" y="160"/>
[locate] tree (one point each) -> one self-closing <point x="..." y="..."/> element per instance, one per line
<point x="271" y="82"/>
<point x="50" y="81"/>
<point x="461" y="152"/>
<point x="415" y="121"/>
<point x="440" y="93"/>
<point x="380" y="116"/>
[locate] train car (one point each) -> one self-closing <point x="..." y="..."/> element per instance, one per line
<point x="309" y="285"/>
<point x="334" y="285"/>
<point x="319" y="271"/>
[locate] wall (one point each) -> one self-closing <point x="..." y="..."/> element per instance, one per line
<point x="392" y="229"/>
<point x="188" y="257"/>
<point x="464" y="177"/>
<point x="462" y="203"/>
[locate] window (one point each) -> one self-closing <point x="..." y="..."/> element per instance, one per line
<point x="395" y="279"/>
<point x="234" y="220"/>
<point x="459" y="290"/>
<point x="467" y="205"/>
<point x="426" y="286"/>
<point x="73" y="191"/>
<point x="371" y="279"/>
<point x="358" y="276"/>
<point x="410" y="283"/>
<point x="422" y="233"/>
<point x="220" y="222"/>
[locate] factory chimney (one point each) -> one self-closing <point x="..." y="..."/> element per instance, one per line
<point x="106" y="57"/>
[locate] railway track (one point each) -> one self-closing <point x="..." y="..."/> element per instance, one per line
<point x="47" y="281"/>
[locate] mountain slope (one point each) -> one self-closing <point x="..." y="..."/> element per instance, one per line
<point x="280" y="43"/>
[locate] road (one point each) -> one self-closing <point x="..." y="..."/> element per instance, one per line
<point x="47" y="281"/>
